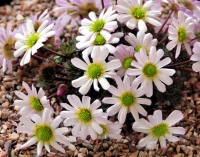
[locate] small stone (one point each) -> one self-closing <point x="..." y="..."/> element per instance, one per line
<point x="7" y="146"/>
<point x="184" y="149"/>
<point x="14" y="136"/>
<point x="108" y="153"/>
<point x="125" y="141"/>
<point x="135" y="154"/>
<point x="178" y="155"/>
<point x="178" y="149"/>
<point x="105" y="145"/>
<point x="84" y="150"/>
<point x="142" y="154"/>
<point x="2" y="153"/>
<point x="5" y="104"/>
<point x="81" y="155"/>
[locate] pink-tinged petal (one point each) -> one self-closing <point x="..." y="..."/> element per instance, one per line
<point x="110" y="100"/>
<point x="60" y="131"/>
<point x="76" y="104"/>
<point x="171" y="138"/>
<point x="96" y="127"/>
<point x="165" y="79"/>
<point x="153" y="120"/>
<point x="149" y="85"/>
<point x="177" y="130"/>
<point x="122" y="114"/>
<point x="41" y="93"/>
<point x="171" y="45"/>
<point x="36" y="118"/>
<point x="188" y="48"/>
<point x="195" y="57"/>
<point x="24" y="129"/>
<point x="134" y="112"/>
<point x="123" y="18"/>
<point x="114" y="91"/>
<point x="47" y="147"/>
<point x="140" y="109"/>
<point x="144" y="141"/>
<point x="164" y="62"/>
<point x="158" y="115"/>
<point x="95" y="105"/>
<point x="174" y="117"/>
<point x="153" y="21"/>
<point x="92" y="16"/>
<point x="137" y="65"/>
<point x="86" y="87"/>
<point x="39" y="147"/>
<point x="79" y="63"/>
<point x="162" y="141"/>
<point x="152" y="144"/>
<point x="86" y="101"/>
<point x="26" y="58"/>
<point x="62" y="139"/>
<point x="95" y="85"/>
<point x="92" y="133"/>
<point x="131" y="24"/>
<point x="56" y="122"/>
<point x="142" y="124"/>
<point x="70" y="121"/>
<point x="26" y="111"/>
<point x="113" y="109"/>
<point x="76" y="129"/>
<point x="97" y="113"/>
<point x="105" y="34"/>
<point x="142" y="26"/>
<point x="104" y="83"/>
<point x="133" y="72"/>
<point x="178" y="50"/>
<point x="21" y="103"/>
<point x="68" y="114"/>
<point x="160" y="86"/>
<point x="141" y="91"/>
<point x="122" y="9"/>
<point x="168" y="72"/>
<point x="84" y="132"/>
<point x="30" y="142"/>
<point x="57" y="146"/>
<point x="68" y="107"/>
<point x="80" y="81"/>
<point x="114" y="64"/>
<point x="127" y="83"/>
<point x="19" y="51"/>
<point x="196" y="67"/>
<point x="124" y="3"/>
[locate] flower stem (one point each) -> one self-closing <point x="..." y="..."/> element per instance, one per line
<point x="60" y="79"/>
<point x="53" y="52"/>
<point x="163" y="24"/>
<point x="187" y="69"/>
<point x="178" y="64"/>
<point x="102" y="2"/>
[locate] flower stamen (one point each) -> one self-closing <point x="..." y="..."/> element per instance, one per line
<point x="150" y="70"/>
<point x="36" y="104"/>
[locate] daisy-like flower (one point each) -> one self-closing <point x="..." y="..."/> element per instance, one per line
<point x="31" y="40"/>
<point x="95" y="72"/>
<point x="159" y="129"/>
<point x="33" y="102"/>
<point x="196" y="57"/>
<point x="102" y="25"/>
<point x="85" y="117"/>
<point x="126" y="55"/>
<point x="181" y="32"/>
<point x="150" y="69"/>
<point x="126" y="98"/>
<point x="111" y="130"/>
<point x="134" y="13"/>
<point x="99" y="43"/>
<point x="44" y="131"/>
<point x="73" y="11"/>
<point x="6" y="45"/>
<point x="141" y="41"/>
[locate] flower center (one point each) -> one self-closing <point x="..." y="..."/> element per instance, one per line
<point x="32" y="40"/>
<point x="84" y="115"/>
<point x="99" y="40"/>
<point x="88" y="7"/>
<point x="138" y="13"/>
<point x="159" y="130"/>
<point x="105" y="130"/>
<point x="7" y="49"/>
<point x="182" y="35"/>
<point x="137" y="49"/>
<point x="128" y="99"/>
<point x="127" y="62"/>
<point x="150" y="70"/>
<point x="36" y="104"/>
<point x="43" y="132"/>
<point x="95" y="71"/>
<point x="97" y="26"/>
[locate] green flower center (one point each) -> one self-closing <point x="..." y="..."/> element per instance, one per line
<point x="32" y="40"/>
<point x="44" y="133"/>
<point x="99" y="40"/>
<point x="84" y="115"/>
<point x="105" y="130"/>
<point x="36" y="104"/>
<point x="182" y="34"/>
<point x="138" y="13"/>
<point x="128" y="99"/>
<point x="127" y="62"/>
<point x="7" y="49"/>
<point x="137" y="49"/>
<point x="97" y="26"/>
<point x="87" y="8"/>
<point x="159" y="130"/>
<point x="150" y="70"/>
<point x="95" y="71"/>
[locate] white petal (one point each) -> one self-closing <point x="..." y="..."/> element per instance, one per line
<point x="39" y="147"/>
<point x="144" y="141"/>
<point x="79" y="63"/>
<point x="30" y="142"/>
<point x="142" y="26"/>
<point x="174" y="117"/>
<point x="122" y="114"/>
<point x="57" y="146"/>
<point x="104" y="83"/>
<point x="177" y="130"/>
<point x="113" y="109"/>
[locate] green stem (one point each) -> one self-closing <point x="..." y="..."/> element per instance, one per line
<point x="178" y="64"/>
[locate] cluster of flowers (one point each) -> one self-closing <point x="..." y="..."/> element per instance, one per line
<point x="134" y="68"/>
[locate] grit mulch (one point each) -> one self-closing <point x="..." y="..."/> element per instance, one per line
<point x="10" y="141"/>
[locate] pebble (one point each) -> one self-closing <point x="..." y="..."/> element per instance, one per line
<point x="2" y="153"/>
<point x="7" y="147"/>
<point x="142" y="154"/>
<point x="5" y="105"/>
<point x="108" y="153"/>
<point x="105" y="145"/>
<point x="84" y="150"/>
<point x="14" y="136"/>
<point x="19" y="17"/>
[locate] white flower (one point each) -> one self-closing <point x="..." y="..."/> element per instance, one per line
<point x="102" y="25"/>
<point x="31" y="40"/>
<point x="142" y="40"/>
<point x="181" y="31"/>
<point x="33" y="102"/>
<point x="111" y="130"/>
<point x="196" y="57"/>
<point x="95" y="72"/>
<point x="126" y="98"/>
<point x="126" y="55"/>
<point x="99" y="42"/>
<point x="134" y="12"/>
<point x="85" y="117"/>
<point x="150" y="69"/>
<point x="44" y="131"/>
<point x="158" y="129"/>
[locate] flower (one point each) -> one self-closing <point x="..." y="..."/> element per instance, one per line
<point x="102" y="25"/>
<point x="85" y="117"/>
<point x="111" y="130"/>
<point x="126" y="98"/>
<point x="142" y="40"/>
<point x="73" y="11"/>
<point x="181" y="31"/>
<point x="98" y="44"/>
<point x="126" y="55"/>
<point x="134" y="12"/>
<point x="31" y="40"/>
<point x="158" y="129"/>
<point x="44" y="131"/>
<point x="95" y="72"/>
<point x="196" y="57"/>
<point x="6" y="45"/>
<point x="33" y="102"/>
<point x="150" y="69"/>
